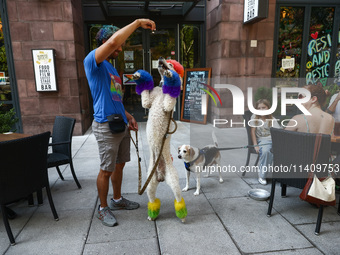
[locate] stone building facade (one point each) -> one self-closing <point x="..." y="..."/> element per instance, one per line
<point x="230" y="54"/>
<point x="46" y="25"/>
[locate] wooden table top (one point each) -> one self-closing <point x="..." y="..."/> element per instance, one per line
<point x="12" y="136"/>
<point x="335" y="139"/>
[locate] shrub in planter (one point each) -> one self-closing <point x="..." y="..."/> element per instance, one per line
<point x="7" y="120"/>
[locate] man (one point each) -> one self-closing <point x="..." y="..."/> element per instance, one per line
<point x="106" y="91"/>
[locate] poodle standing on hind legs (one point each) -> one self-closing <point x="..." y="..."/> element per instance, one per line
<point x="161" y="101"/>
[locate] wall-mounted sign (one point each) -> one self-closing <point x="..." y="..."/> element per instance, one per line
<point x="128" y="55"/>
<point x="288" y="63"/>
<point x="44" y="70"/>
<point x="255" y="10"/>
<point x="128" y="79"/>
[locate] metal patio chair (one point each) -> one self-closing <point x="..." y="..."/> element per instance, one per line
<point x="23" y="171"/>
<point x="247" y="116"/>
<point x="296" y="149"/>
<point x="61" y="146"/>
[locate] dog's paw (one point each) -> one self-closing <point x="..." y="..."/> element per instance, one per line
<point x="136" y="76"/>
<point x="221" y="180"/>
<point x="172" y="84"/>
<point x="197" y="193"/>
<point x="151" y="219"/>
<point x="143" y="81"/>
<point x="185" y="189"/>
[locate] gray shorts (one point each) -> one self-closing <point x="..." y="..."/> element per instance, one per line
<point x="113" y="148"/>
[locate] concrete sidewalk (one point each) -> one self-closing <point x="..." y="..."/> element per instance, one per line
<point x="221" y="220"/>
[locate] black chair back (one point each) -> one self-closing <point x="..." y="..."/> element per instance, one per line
<point x="295" y="151"/>
<point x="23" y="171"/>
<point x="62" y="132"/>
<point x="62" y="145"/>
<point x="247" y="116"/>
<point x="23" y="167"/>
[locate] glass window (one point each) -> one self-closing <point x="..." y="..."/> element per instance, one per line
<point x="5" y="87"/>
<point x="190" y="46"/>
<point x="319" y="45"/>
<point x="289" y="42"/>
<point x="337" y="63"/>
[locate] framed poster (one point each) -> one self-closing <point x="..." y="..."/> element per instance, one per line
<point x="44" y="70"/>
<point x="194" y="93"/>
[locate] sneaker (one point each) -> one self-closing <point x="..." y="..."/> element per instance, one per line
<point x="263" y="181"/>
<point x="107" y="217"/>
<point x="123" y="204"/>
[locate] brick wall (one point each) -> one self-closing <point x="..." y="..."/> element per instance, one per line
<point x="228" y="49"/>
<point x="58" y="24"/>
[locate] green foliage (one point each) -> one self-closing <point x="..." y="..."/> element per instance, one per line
<point x="3" y="59"/>
<point x="263" y="93"/>
<point x="7" y="120"/>
<point x="267" y="93"/>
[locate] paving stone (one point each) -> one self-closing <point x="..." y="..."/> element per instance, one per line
<point x="44" y="235"/>
<point x="328" y="239"/>
<point x="246" y="221"/>
<point x="200" y="234"/>
<point x="142" y="246"/>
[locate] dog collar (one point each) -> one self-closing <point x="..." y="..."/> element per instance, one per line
<point x="188" y="164"/>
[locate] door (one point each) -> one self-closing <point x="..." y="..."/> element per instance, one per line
<point x="142" y="51"/>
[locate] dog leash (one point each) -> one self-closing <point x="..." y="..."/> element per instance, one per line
<point x="242" y="147"/>
<point x="141" y="190"/>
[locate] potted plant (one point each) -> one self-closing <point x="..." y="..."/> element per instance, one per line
<point x="7" y="120"/>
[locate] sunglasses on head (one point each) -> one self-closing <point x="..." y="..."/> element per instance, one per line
<point x="300" y="96"/>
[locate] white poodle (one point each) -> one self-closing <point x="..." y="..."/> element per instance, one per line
<point x="161" y="101"/>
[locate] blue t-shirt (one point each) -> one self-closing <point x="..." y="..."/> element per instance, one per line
<point x="106" y="88"/>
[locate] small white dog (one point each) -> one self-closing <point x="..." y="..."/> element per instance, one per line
<point x="199" y="161"/>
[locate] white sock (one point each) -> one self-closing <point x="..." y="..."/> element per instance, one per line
<point x="117" y="200"/>
<point x="101" y="208"/>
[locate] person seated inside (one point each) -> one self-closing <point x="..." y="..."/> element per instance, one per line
<point x="319" y="121"/>
<point x="262" y="140"/>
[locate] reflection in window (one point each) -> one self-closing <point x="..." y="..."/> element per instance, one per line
<point x="131" y="57"/>
<point x="319" y="45"/>
<point x="93" y="30"/>
<point x="5" y="87"/>
<point x="337" y="63"/>
<point x="290" y="42"/>
<point x="190" y="46"/>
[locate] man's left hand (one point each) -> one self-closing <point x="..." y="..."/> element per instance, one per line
<point x="133" y="124"/>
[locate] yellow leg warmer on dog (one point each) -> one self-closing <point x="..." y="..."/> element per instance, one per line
<point x="181" y="209"/>
<point x="154" y="208"/>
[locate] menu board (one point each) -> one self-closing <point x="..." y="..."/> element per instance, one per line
<point x="194" y="86"/>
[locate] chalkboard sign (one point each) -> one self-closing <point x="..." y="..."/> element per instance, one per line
<point x="194" y="85"/>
